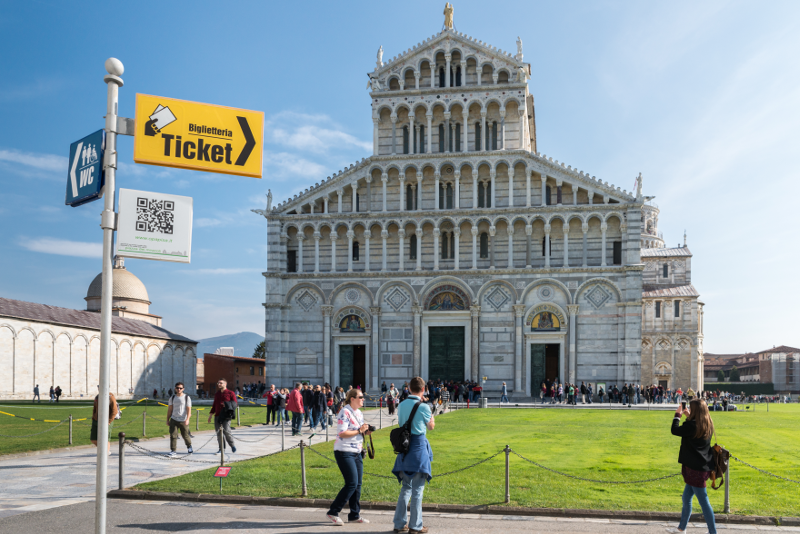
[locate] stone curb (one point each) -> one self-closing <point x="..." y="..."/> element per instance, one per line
<point x="447" y="508"/>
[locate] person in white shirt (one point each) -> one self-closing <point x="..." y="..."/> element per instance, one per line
<point x="349" y="453"/>
<point x="178" y="415"/>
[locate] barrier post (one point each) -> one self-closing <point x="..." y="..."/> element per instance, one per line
<point x="508" y="489"/>
<point x="221" y="446"/>
<point x="283" y="432"/>
<point x="122" y="460"/>
<point x="303" y="467"/>
<point x="70" y="429"/>
<point x="238" y="422"/>
<point x="727" y="508"/>
<point x="197" y="421"/>
<point x="144" y="421"/>
<point x="380" y="416"/>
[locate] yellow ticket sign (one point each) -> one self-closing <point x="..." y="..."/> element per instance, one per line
<point x="201" y="137"/>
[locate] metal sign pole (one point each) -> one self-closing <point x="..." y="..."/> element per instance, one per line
<point x="115" y="69"/>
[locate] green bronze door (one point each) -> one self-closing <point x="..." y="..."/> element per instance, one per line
<point x="537" y="368"/>
<point x="346" y="366"/>
<point x="446" y="353"/>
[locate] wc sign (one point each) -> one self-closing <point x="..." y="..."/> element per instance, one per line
<point x="85" y="177"/>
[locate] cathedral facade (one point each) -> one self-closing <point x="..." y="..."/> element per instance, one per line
<point x="457" y="250"/>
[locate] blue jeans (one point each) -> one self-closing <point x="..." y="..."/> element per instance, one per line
<point x="352" y="467"/>
<point x="503" y="398"/>
<point x="702" y="498"/>
<point x="307" y="415"/>
<point x="312" y="417"/>
<point x="297" y="422"/>
<point x="320" y="418"/>
<point x="412" y="488"/>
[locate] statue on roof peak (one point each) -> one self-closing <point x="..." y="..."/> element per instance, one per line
<point x="519" y="48"/>
<point x="379" y="63"/>
<point x="448" y="16"/>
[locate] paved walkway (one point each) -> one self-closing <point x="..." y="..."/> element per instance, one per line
<point x="133" y="517"/>
<point x="67" y="477"/>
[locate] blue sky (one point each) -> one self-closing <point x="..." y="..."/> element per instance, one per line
<point x="702" y="98"/>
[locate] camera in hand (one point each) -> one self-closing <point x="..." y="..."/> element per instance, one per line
<point x="372" y="428"/>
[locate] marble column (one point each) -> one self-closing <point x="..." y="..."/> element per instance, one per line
<point x="327" y="368"/>
<point x="394" y="134"/>
<point x="428" y="130"/>
<point x="547" y="246"/>
<point x="527" y="188"/>
<point x="419" y="248"/>
<point x="447" y="131"/>
<point x="474" y="368"/>
<point x="574" y="195"/>
<point x="354" y="205"/>
<point x="448" y="81"/>
<point x="384" y="237"/>
<point x="573" y="356"/>
<point x="474" y="247"/>
<point x="483" y="131"/>
<point x="367" y="236"/>
<point x="585" y="229"/>
<point x="511" y="187"/>
<point x="339" y="194"/>
<point x="417" y="354"/>
<point x="510" y="231"/>
<point x="493" y="175"/>
<point x="457" y="240"/>
<point x="401" y="234"/>
<point x="368" y="179"/>
<point x="418" y="141"/>
<point x="384" y="179"/>
<point x="419" y="191"/>
<point x="463" y="73"/>
<point x="411" y="146"/>
<point x="413" y="197"/>
<point x="417" y="76"/>
<point x="325" y="200"/>
<point x="624" y="232"/>
<point x="474" y="188"/>
<point x="519" y="337"/>
<point x="334" y="237"/>
<point x="350" y="236"/>
<point x="522" y="139"/>
<point x="502" y="129"/>
<point x="402" y="192"/>
<point x="457" y="192"/>
<point x="317" y="237"/>
<point x="528" y="234"/>
<point x="436" y="192"/>
<point x="603" y="228"/>
<point x="566" y="245"/>
<point x="436" y="251"/>
<point x="375" y="368"/>
<point x="544" y="189"/>
<point x="492" y="232"/>
<point x="300" y="239"/>
<point x="375" y="140"/>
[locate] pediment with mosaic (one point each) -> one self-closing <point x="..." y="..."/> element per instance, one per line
<point x="447" y="298"/>
<point x="545" y="318"/>
<point x="352" y="320"/>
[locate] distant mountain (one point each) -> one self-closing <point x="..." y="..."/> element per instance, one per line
<point x="243" y="343"/>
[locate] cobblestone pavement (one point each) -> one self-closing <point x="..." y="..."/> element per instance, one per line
<point x="135" y="517"/>
<point x="66" y="477"/>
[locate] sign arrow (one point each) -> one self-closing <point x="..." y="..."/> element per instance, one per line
<point x="251" y="142"/>
<point x="72" y="176"/>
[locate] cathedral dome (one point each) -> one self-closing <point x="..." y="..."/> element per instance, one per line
<point x="127" y="290"/>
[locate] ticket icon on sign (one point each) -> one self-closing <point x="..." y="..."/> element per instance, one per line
<point x="160" y="119"/>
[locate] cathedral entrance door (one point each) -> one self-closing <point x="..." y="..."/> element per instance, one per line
<point x="352" y="366"/>
<point x="544" y="364"/>
<point x="446" y="353"/>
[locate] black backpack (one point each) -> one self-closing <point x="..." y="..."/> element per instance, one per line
<point x="401" y="436"/>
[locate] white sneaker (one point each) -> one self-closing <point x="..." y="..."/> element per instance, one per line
<point x="359" y="520"/>
<point x="336" y="520"/>
<point x="674" y="530"/>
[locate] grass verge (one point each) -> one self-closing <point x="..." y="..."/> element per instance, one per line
<point x="609" y="446"/>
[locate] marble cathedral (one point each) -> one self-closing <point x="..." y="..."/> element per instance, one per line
<point x="459" y="251"/>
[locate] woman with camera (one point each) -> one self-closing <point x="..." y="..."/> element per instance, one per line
<point x="696" y="460"/>
<point x="349" y="453"/>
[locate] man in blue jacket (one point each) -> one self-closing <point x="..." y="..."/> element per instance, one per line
<point x="413" y="469"/>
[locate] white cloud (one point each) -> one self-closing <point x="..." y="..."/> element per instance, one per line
<point x="311" y="133"/>
<point x="63" y="247"/>
<point x="285" y="165"/>
<point x="45" y="162"/>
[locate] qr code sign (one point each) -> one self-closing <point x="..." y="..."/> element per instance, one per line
<point x="153" y="215"/>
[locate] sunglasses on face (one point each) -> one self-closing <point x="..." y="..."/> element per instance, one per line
<point x="360" y="398"/>
<point x="178" y="388"/>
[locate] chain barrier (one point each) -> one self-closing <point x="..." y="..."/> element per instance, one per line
<point x="36" y="434"/>
<point x="765" y="472"/>
<point x="469" y="466"/>
<point x="308" y="447"/>
<point x="118" y="425"/>
<point x="162" y="456"/>
<point x="593" y="480"/>
<point x="252" y="440"/>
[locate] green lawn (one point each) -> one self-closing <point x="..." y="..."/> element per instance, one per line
<point x="58" y="436"/>
<point x="613" y="446"/>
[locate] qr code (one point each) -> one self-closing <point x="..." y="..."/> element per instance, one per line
<point x="155" y="215"/>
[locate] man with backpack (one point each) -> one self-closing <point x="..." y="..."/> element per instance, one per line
<point x="413" y="468"/>
<point x="178" y="415"/>
<point x="223" y="410"/>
